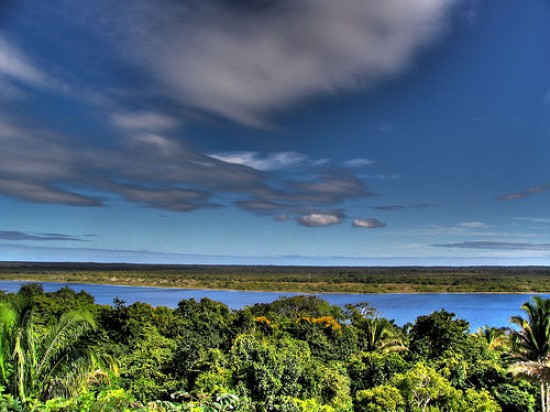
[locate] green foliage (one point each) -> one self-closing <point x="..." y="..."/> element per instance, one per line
<point x="371" y="369"/>
<point x="531" y="345"/>
<point x="383" y="398"/>
<point x="532" y="341"/>
<point x="514" y="397"/>
<point x="434" y="335"/>
<point x="295" y="354"/>
<point x="422" y="388"/>
<point x="291" y="279"/>
<point x="55" y="363"/>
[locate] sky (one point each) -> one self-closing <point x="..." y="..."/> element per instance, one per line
<point x="278" y="132"/>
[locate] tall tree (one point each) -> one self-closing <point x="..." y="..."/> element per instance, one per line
<point x="43" y="365"/>
<point x="531" y="345"/>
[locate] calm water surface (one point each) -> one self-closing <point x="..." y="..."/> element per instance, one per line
<point x="478" y="309"/>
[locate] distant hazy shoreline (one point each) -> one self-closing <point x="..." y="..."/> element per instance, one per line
<point x="480" y="279"/>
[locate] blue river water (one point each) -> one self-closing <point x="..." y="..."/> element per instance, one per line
<point x="478" y="309"/>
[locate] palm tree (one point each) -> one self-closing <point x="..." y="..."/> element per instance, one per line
<point x="379" y="334"/>
<point x="531" y="346"/>
<point x="496" y="338"/>
<point x="539" y="371"/>
<point x="43" y="365"/>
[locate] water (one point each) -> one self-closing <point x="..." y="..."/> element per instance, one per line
<point x="478" y="309"/>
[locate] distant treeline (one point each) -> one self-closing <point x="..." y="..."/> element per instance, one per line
<point x="533" y="279"/>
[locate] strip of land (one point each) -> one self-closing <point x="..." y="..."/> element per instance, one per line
<point x="291" y="278"/>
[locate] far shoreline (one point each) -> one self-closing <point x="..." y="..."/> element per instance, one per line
<point x="291" y="279"/>
<point x="282" y="292"/>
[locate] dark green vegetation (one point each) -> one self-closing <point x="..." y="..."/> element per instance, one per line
<point x="292" y="278"/>
<point x="60" y="351"/>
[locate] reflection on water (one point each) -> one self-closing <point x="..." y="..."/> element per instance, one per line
<point x="478" y="309"/>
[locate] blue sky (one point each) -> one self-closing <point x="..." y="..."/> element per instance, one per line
<point x="323" y="132"/>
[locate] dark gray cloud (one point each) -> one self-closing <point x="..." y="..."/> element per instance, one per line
<point x="524" y="193"/>
<point x="260" y="206"/>
<point x="368" y="223"/>
<point x="498" y="245"/>
<point x="392" y="208"/>
<point x="154" y="170"/>
<point x="245" y="63"/>
<point x="15" y="235"/>
<point x="328" y="187"/>
<point x="34" y="163"/>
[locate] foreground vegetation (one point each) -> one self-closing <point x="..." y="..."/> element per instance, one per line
<point x="292" y="278"/>
<point x="60" y="351"/>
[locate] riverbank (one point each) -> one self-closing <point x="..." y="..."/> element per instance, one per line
<point x="291" y="278"/>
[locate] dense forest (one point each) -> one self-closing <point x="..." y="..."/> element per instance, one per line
<point x="60" y="351"/>
<point x="302" y="279"/>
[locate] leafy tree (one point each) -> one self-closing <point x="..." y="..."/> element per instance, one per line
<point x="424" y="389"/>
<point x="433" y="335"/>
<point x="370" y="369"/>
<point x="383" y="398"/>
<point x="295" y="307"/>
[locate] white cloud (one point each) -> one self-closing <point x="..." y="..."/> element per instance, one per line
<point x="368" y="223"/>
<point x="534" y="219"/>
<point x="155" y="143"/>
<point x="144" y="121"/>
<point x="273" y="161"/>
<point x="473" y="225"/>
<point x="358" y="162"/>
<point x="394" y="176"/>
<point x="507" y="246"/>
<point x="16" y="66"/>
<point x="320" y="220"/>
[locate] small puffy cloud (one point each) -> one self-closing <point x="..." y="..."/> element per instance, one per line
<point x="524" y="193"/>
<point x="144" y="121"/>
<point x="358" y="162"/>
<point x="473" y="225"/>
<point x="498" y="245"/>
<point x="273" y="161"/>
<point x="368" y="223"/>
<point x="320" y="219"/>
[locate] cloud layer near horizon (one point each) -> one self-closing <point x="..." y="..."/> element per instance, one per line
<point x="498" y="245"/>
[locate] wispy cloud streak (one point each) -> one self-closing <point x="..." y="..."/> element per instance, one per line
<point x="21" y="236"/>
<point x="497" y="245"/>
<point x="524" y="193"/>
